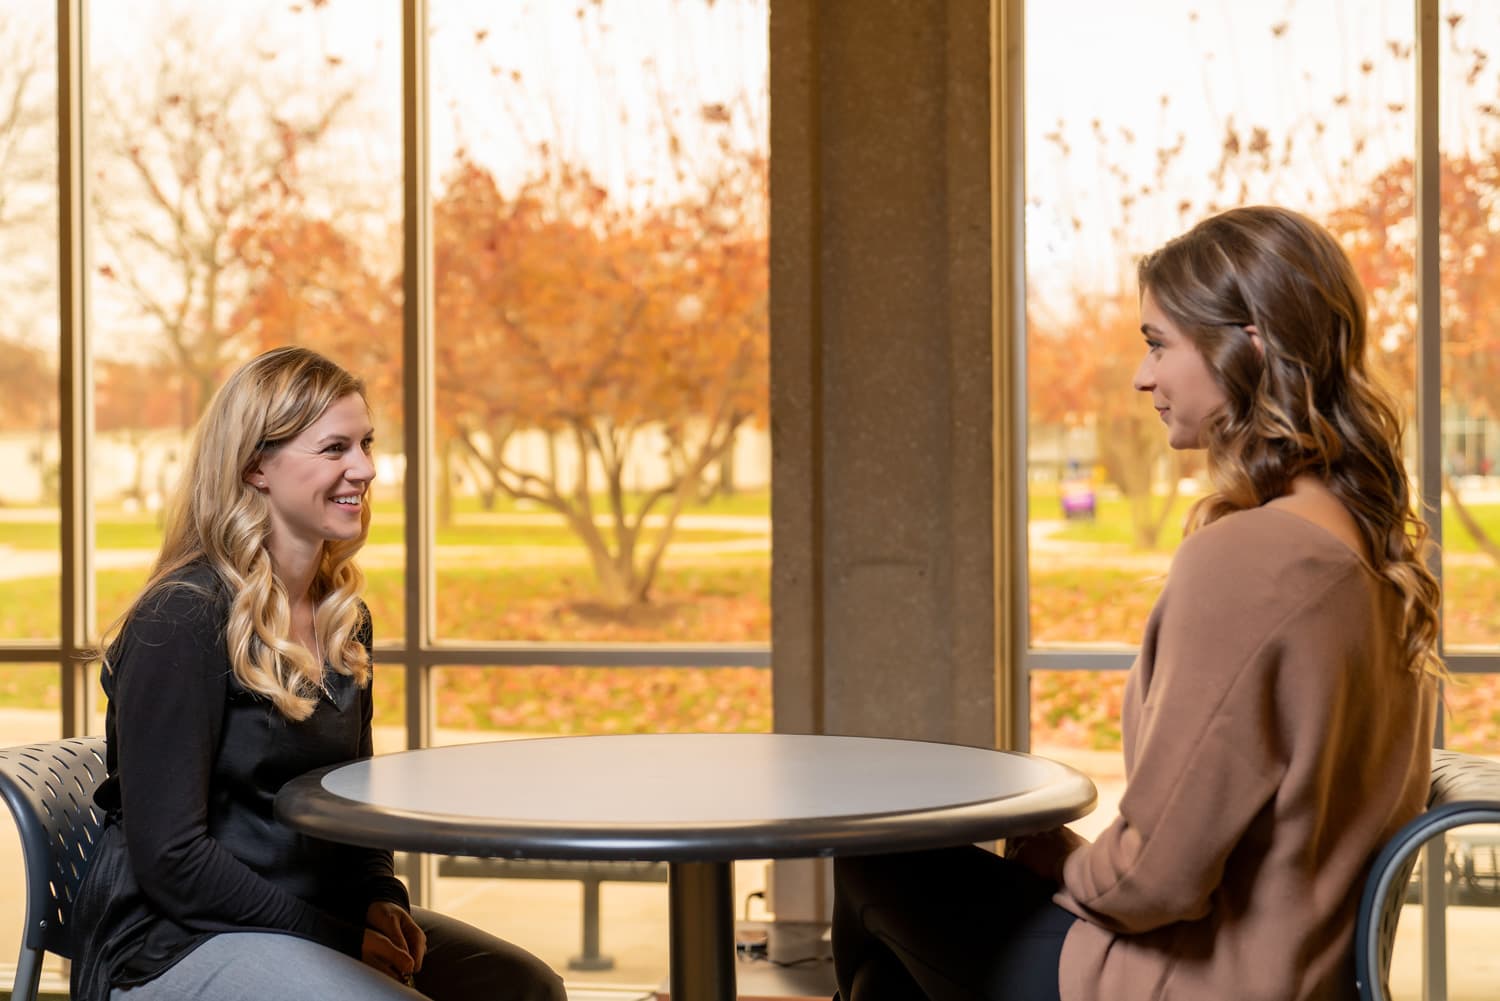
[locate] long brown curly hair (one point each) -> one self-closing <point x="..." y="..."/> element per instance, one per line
<point x="1306" y="402"/>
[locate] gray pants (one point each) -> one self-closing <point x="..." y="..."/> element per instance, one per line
<point x="462" y="964"/>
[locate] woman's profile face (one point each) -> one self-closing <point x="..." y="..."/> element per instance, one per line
<point x="316" y="485"/>
<point x="1175" y="373"/>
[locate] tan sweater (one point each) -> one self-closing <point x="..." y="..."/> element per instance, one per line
<point x="1273" y="742"/>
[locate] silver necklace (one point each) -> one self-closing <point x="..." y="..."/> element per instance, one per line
<point x="322" y="667"/>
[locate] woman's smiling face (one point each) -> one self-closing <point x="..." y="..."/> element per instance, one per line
<point x="317" y="483"/>
<point x="1183" y="389"/>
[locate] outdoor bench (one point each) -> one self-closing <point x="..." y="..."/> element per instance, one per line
<point x="589" y="874"/>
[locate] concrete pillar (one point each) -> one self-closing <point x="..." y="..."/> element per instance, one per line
<point x="883" y="472"/>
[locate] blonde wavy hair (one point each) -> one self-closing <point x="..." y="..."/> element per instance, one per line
<point x="1307" y="402"/>
<point x="218" y="519"/>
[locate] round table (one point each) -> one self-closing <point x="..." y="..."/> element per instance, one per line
<point x="696" y="801"/>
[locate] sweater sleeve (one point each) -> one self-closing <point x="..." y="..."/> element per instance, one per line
<point x="378" y="865"/>
<point x="1207" y="755"/>
<point x="170" y="692"/>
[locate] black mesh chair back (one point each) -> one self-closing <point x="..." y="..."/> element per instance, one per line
<point x="1465" y="790"/>
<point x="50" y="791"/>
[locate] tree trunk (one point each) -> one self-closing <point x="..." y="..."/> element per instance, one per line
<point x="1466" y="519"/>
<point x="614" y="576"/>
<point x="1128" y="450"/>
<point x="137" y="489"/>
<point x="1174" y="480"/>
<point x="445" y="485"/>
<point x="726" y="485"/>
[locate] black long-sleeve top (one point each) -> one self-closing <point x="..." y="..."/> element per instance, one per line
<point x="194" y="761"/>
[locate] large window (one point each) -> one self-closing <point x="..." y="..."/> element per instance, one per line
<point x="1309" y="104"/>
<point x="1211" y="106"/>
<point x="29" y="443"/>
<point x="599" y="452"/>
<point x="240" y="197"/>
<point x="237" y="198"/>
<point x="588" y="549"/>
<point x="599" y="198"/>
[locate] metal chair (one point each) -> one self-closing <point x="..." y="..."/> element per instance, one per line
<point x="1465" y="790"/>
<point x="50" y="791"/>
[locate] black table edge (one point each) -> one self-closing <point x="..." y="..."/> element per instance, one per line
<point x="305" y="805"/>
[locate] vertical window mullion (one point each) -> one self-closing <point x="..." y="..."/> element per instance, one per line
<point x="1012" y="605"/>
<point x="1428" y="276"/>
<point x="1429" y="419"/>
<point x="416" y="385"/>
<point x="75" y="376"/>
<point x="416" y="350"/>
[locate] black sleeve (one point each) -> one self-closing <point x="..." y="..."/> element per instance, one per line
<point x="377" y="864"/>
<point x="171" y="685"/>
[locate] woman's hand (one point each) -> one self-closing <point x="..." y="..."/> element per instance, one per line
<point x="382" y="954"/>
<point x="394" y="943"/>
<point x="1045" y="853"/>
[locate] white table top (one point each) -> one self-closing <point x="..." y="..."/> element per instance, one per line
<point x="685" y="797"/>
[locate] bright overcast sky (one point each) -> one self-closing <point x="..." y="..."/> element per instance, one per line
<point x="597" y="86"/>
<point x="1278" y="64"/>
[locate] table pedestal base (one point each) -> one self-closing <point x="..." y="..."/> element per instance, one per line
<point x="701" y="912"/>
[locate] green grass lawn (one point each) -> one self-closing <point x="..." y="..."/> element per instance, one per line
<point x="1111" y="524"/>
<point x="114" y="532"/>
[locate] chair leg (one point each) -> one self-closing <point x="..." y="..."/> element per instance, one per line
<point x="28" y="975"/>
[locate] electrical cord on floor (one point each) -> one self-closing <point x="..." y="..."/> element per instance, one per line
<point x="805" y="961"/>
<point x="755" y="952"/>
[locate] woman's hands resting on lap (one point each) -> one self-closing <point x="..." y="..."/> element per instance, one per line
<point x="394" y="944"/>
<point x="1045" y="853"/>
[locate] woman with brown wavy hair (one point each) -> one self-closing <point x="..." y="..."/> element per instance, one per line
<point x="1279" y="716"/>
<point x="244" y="662"/>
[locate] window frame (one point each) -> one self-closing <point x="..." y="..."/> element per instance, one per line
<point x="420" y="651"/>
<point x="1020" y="657"/>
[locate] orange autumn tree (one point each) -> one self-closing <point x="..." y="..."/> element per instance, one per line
<point x="28" y="385"/>
<point x="1084" y="343"/>
<point x="135" y="402"/>
<point x="1380" y="232"/>
<point x="609" y="328"/>
<point x="314" y="284"/>
<point x="1370" y="187"/>
<point x="1081" y="364"/>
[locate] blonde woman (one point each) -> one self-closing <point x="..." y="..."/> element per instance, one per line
<point x="1279" y="717"/>
<point x="244" y="662"/>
